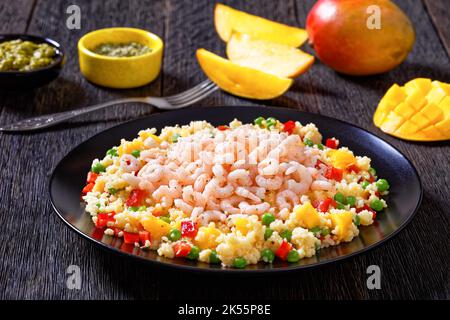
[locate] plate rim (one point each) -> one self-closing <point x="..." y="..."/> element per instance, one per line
<point x="234" y="271"/>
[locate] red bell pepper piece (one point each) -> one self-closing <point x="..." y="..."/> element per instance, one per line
<point x="332" y="143"/>
<point x="333" y="173"/>
<point x="135" y="198"/>
<point x="91" y="177"/>
<point x="222" y="128"/>
<point x="283" y="250"/>
<point x="104" y="218"/>
<point x="188" y="229"/>
<point x="130" y="238"/>
<point x="88" y="188"/>
<point x="181" y="249"/>
<point x="289" y="126"/>
<point x="353" y="168"/>
<point x="144" y="236"/>
<point x="324" y="205"/>
<point x="318" y="164"/>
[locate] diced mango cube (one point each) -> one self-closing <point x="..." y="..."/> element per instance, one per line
<point x="444" y="86"/>
<point x="344" y="222"/>
<point x="206" y="237"/>
<point x="416" y="100"/>
<point x="431" y="133"/>
<point x="395" y="94"/>
<point x="407" y="128"/>
<point x="307" y="216"/>
<point x="392" y="122"/>
<point x="420" y="120"/>
<point x="99" y="185"/>
<point x="423" y="84"/>
<point x="444" y="127"/>
<point x="436" y="95"/>
<point x="241" y="225"/>
<point x="157" y="227"/>
<point x="404" y="110"/>
<point x="342" y="159"/>
<point x="382" y="111"/>
<point x="129" y="146"/>
<point x="433" y="113"/>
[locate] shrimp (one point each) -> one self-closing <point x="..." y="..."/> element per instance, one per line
<point x="268" y="167"/>
<point x="257" y="209"/>
<point x="163" y="195"/>
<point x="212" y="204"/>
<point x="211" y="215"/>
<point x="287" y="199"/>
<point x="193" y="197"/>
<point x="200" y="182"/>
<point x="223" y="192"/>
<point x="240" y="177"/>
<point x="196" y="212"/>
<point x="131" y="179"/>
<point x="302" y="174"/>
<point x="269" y="183"/>
<point x="244" y="193"/>
<point x="322" y="185"/>
<point x="129" y="163"/>
<point x="183" y="206"/>
<point x="218" y="171"/>
<point x="228" y="205"/>
<point x="151" y="172"/>
<point x="146" y="185"/>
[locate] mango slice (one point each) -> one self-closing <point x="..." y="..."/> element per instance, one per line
<point x="268" y="56"/>
<point x="418" y="111"/>
<point x="307" y="216"/>
<point x="241" y="81"/>
<point x="227" y="20"/>
<point x="343" y="221"/>
<point x="157" y="227"/>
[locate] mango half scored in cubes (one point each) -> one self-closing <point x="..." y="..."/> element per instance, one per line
<point x="418" y="111"/>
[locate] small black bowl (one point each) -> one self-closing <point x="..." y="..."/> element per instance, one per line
<point x="18" y="80"/>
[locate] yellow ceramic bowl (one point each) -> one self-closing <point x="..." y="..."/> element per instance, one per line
<point x="120" y="72"/>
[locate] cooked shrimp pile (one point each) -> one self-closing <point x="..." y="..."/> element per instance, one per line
<point x="234" y="194"/>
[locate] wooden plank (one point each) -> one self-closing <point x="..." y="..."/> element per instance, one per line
<point x="14" y="15"/>
<point x="438" y="11"/>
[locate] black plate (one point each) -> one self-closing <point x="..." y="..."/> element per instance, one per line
<point x="18" y="80"/>
<point x="406" y="191"/>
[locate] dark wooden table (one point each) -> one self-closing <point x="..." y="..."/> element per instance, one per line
<point x="36" y="248"/>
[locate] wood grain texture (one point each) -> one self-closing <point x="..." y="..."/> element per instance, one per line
<point x="438" y="11"/>
<point x="37" y="248"/>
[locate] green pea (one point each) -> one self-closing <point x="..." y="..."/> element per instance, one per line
<point x="340" y="206"/>
<point x="320" y="146"/>
<point x="351" y="200"/>
<point x="174" y="235"/>
<point x="382" y="185"/>
<point x="293" y="256"/>
<point x="339" y="197"/>
<point x="267" y="255"/>
<point x="267" y="233"/>
<point x="165" y="219"/>
<point x="259" y="121"/>
<point x="270" y="122"/>
<point x="357" y="220"/>
<point x="142" y="208"/>
<point x="316" y="230"/>
<point x="308" y="142"/>
<point x="286" y="234"/>
<point x="239" y="263"/>
<point x="112" y="190"/>
<point x="194" y="253"/>
<point x="98" y="205"/>
<point x="373" y="172"/>
<point x="365" y="184"/>
<point x="267" y="219"/>
<point x="213" y="258"/>
<point x="112" y="152"/>
<point x="98" y="167"/>
<point x="376" y="205"/>
<point x="174" y="138"/>
<point x="325" y="232"/>
<point x="136" y="153"/>
<point x="133" y="209"/>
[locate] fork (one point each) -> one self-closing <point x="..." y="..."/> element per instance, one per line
<point x="173" y="102"/>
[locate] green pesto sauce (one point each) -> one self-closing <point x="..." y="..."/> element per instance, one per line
<point x="19" y="55"/>
<point x="129" y="49"/>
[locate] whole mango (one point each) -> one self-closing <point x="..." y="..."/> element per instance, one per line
<point x="360" y="37"/>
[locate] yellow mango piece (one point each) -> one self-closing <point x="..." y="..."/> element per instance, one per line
<point x="422" y="84"/>
<point x="145" y="134"/>
<point x="418" y="111"/>
<point x="343" y="221"/>
<point x="206" y="237"/>
<point x="157" y="227"/>
<point x="436" y="95"/>
<point x="268" y="56"/>
<point x="432" y="113"/>
<point x="129" y="146"/>
<point x="241" y="81"/>
<point x="404" y="110"/>
<point x="241" y="225"/>
<point x="391" y="99"/>
<point x="392" y="122"/>
<point x="342" y="159"/>
<point x="227" y="20"/>
<point x="99" y="185"/>
<point x="307" y="216"/>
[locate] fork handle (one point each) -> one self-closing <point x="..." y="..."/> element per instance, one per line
<point x="49" y="120"/>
